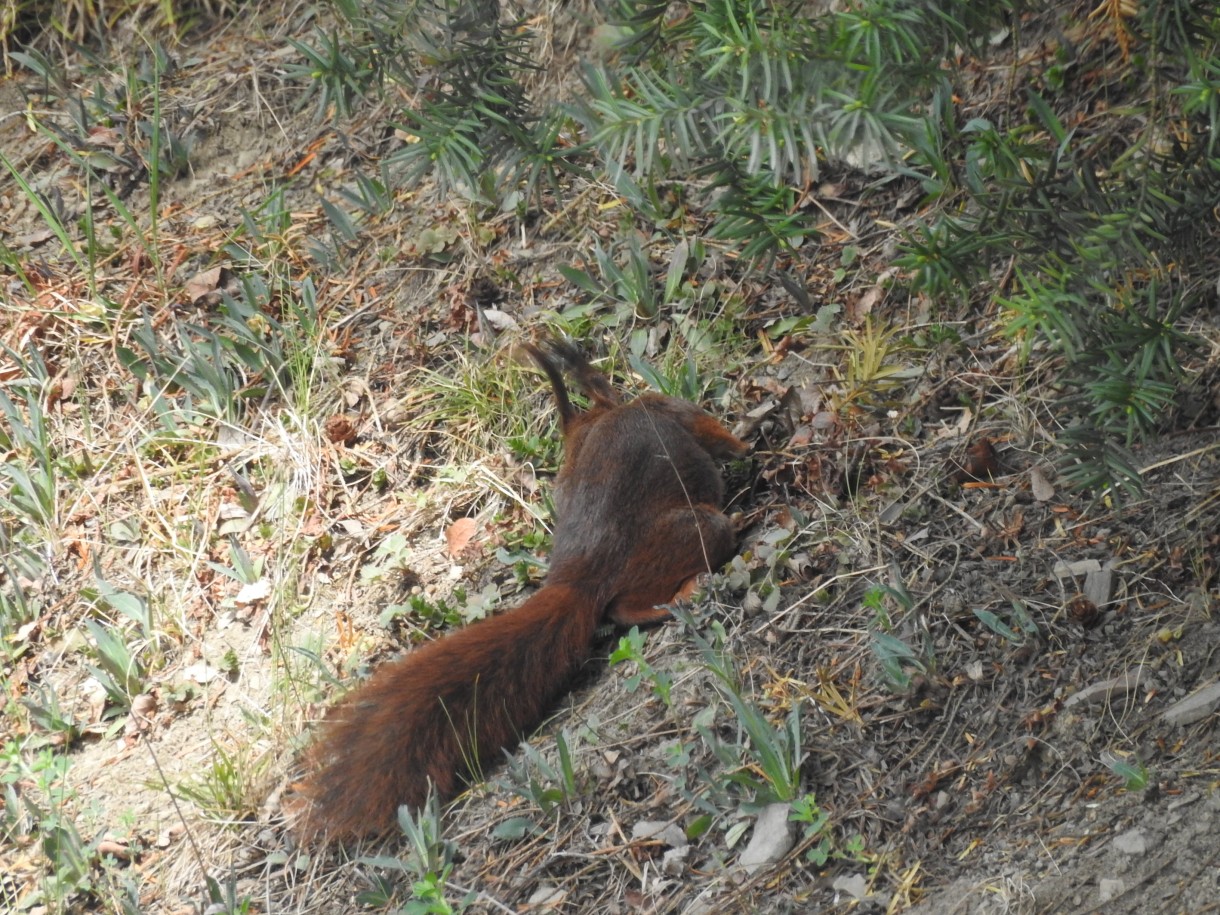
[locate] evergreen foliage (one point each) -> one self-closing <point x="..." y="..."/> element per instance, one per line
<point x="1086" y="177"/>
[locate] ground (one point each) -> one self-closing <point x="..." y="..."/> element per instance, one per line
<point x="1004" y="692"/>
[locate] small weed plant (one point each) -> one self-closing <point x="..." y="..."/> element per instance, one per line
<point x="892" y="635"/>
<point x="427" y="865"/>
<point x="758" y="761"/>
<point x="546" y="786"/>
<point x="631" y="649"/>
<point x="818" y="832"/>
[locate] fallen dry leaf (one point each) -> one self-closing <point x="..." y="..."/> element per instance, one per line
<point x="1040" y="486"/>
<point x="1083" y="610"/>
<point x="863" y="306"/>
<point x="981" y="463"/>
<point x="340" y="429"/>
<point x="116" y="848"/>
<point x="459" y="534"/>
<point x="143" y="707"/>
<point x="253" y="592"/>
<point x="206" y="286"/>
<point x="30" y="239"/>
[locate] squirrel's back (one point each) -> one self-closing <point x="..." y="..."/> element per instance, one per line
<point x="638" y="506"/>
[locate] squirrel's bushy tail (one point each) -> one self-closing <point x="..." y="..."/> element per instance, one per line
<point x="444" y="710"/>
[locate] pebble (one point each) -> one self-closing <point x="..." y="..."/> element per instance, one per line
<point x="1131" y="842"/>
<point x="1109" y="889"/>
<point x="1195" y="707"/>
<point x="771" y="839"/>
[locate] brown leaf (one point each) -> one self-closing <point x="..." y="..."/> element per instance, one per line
<point x="635" y="898"/>
<point x="981" y="464"/>
<point x="863" y="306"/>
<point x="206" y="285"/>
<point x="340" y="429"/>
<point x="143" y="707"/>
<point x="1083" y="611"/>
<point x="61" y="388"/>
<point x="459" y="535"/>
<point x="116" y="848"/>
<point x="105" y="136"/>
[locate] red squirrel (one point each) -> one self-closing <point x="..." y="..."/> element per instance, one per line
<point x="637" y="502"/>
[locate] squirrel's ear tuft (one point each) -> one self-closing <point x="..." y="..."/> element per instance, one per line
<point x="554" y="373"/>
<point x="567" y="351"/>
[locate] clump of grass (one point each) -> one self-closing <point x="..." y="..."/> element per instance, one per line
<point x="77" y="21"/>
<point x="484" y="406"/>
<point x="231" y="785"/>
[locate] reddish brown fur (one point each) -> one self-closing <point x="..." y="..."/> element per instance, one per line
<point x="638" y="506"/>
